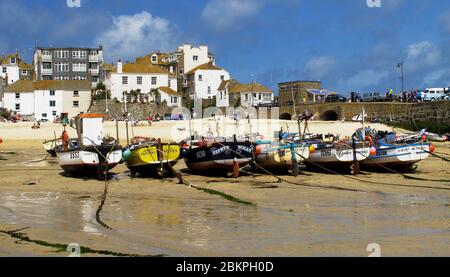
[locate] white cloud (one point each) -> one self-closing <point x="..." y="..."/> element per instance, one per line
<point x="135" y="35"/>
<point x="223" y="14"/>
<point x="364" y="78"/>
<point x="421" y="55"/>
<point x="319" y="67"/>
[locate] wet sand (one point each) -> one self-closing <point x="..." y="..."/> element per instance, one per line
<point x="151" y="217"/>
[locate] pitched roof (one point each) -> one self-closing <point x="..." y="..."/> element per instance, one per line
<point x="254" y="87"/>
<point x="5" y="60"/>
<point x="205" y="66"/>
<point x="168" y="90"/>
<point x="30" y="86"/>
<point x="227" y="83"/>
<point x="108" y="67"/>
<point x="23" y="65"/>
<point x="142" y="68"/>
<point x="21" y="86"/>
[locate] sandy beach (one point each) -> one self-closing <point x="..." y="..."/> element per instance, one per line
<point x="322" y="215"/>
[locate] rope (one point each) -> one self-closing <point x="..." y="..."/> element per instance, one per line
<point x="291" y="182"/>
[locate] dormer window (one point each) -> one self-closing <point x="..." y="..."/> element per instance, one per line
<point x="154" y="59"/>
<point x="13" y="60"/>
<point x="195" y="58"/>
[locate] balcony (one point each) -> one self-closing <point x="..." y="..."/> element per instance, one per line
<point x="47" y="71"/>
<point x="94" y="71"/>
<point x="93" y="58"/>
<point x="47" y="58"/>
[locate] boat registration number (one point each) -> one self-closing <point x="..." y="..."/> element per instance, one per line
<point x="74" y="155"/>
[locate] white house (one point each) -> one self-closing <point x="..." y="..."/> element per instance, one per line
<point x="48" y="99"/>
<point x="233" y="93"/>
<point x="144" y="78"/>
<point x="13" y="69"/>
<point x="204" y="80"/>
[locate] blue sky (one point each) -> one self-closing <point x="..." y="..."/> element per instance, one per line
<point x="343" y="43"/>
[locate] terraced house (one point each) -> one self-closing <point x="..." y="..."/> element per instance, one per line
<point x="13" y="68"/>
<point x="141" y="82"/>
<point x="46" y="100"/>
<point x="69" y="64"/>
<point x="233" y="94"/>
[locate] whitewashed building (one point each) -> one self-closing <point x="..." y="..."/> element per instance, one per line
<point x="13" y="69"/>
<point x="42" y="100"/>
<point x="233" y="93"/>
<point x="143" y="78"/>
<point x="204" y="80"/>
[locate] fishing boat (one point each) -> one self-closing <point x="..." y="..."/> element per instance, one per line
<point x="212" y="155"/>
<point x="50" y="146"/>
<point x="150" y="156"/>
<point x="90" y="153"/>
<point x="333" y="153"/>
<point x="284" y="153"/>
<point x="393" y="150"/>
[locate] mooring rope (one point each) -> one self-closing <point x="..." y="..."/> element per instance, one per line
<point x="280" y="179"/>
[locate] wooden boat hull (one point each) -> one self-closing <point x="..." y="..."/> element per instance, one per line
<point x="275" y="157"/>
<point x="333" y="155"/>
<point x="391" y="155"/>
<point x="87" y="161"/>
<point x="220" y="157"/>
<point x="150" y="158"/>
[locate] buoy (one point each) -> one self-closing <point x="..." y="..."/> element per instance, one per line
<point x="126" y="154"/>
<point x="373" y="151"/>
<point x="312" y="149"/>
<point x="424" y="138"/>
<point x="432" y="148"/>
<point x="1" y="140"/>
<point x="258" y="149"/>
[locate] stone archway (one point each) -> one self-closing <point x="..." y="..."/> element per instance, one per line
<point x="286" y="116"/>
<point x="329" y="115"/>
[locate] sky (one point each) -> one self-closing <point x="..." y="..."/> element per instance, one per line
<point x="343" y="43"/>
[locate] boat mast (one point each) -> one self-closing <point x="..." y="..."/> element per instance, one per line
<point x="362" y="121"/>
<point x="190" y="127"/>
<point x="126" y="117"/>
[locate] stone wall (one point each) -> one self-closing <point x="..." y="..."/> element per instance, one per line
<point x="138" y="110"/>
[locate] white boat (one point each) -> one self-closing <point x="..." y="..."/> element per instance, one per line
<point x="90" y="153"/>
<point x="338" y="153"/>
<point x="275" y="155"/>
<point x="391" y="155"/>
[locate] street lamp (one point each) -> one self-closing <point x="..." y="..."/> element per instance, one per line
<point x="400" y="65"/>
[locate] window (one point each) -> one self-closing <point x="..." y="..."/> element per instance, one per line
<point x="267" y="96"/>
<point x="17" y="95"/>
<point x="17" y="107"/>
<point x="61" y="54"/>
<point x="222" y="77"/>
<point x="46" y="65"/>
<point x="168" y="83"/>
<point x="46" y="53"/>
<point x="47" y="77"/>
<point x="154" y="80"/>
<point x="76" y="93"/>
<point x="79" y="54"/>
<point x="200" y="77"/>
<point x="54" y="113"/>
<point x="124" y="80"/>
<point x="209" y="90"/>
<point x="246" y="97"/>
<point x="24" y="72"/>
<point x="94" y="79"/>
<point x="13" y="60"/>
<point x="4" y="69"/>
<point x="52" y="103"/>
<point x="139" y="80"/>
<point x="52" y="93"/>
<point x="44" y="115"/>
<point x="62" y="67"/>
<point x="154" y="59"/>
<point x="76" y="104"/>
<point x="195" y="58"/>
<point x="174" y="100"/>
<point x="79" y="67"/>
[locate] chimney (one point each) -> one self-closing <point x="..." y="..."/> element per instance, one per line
<point x="119" y="66"/>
